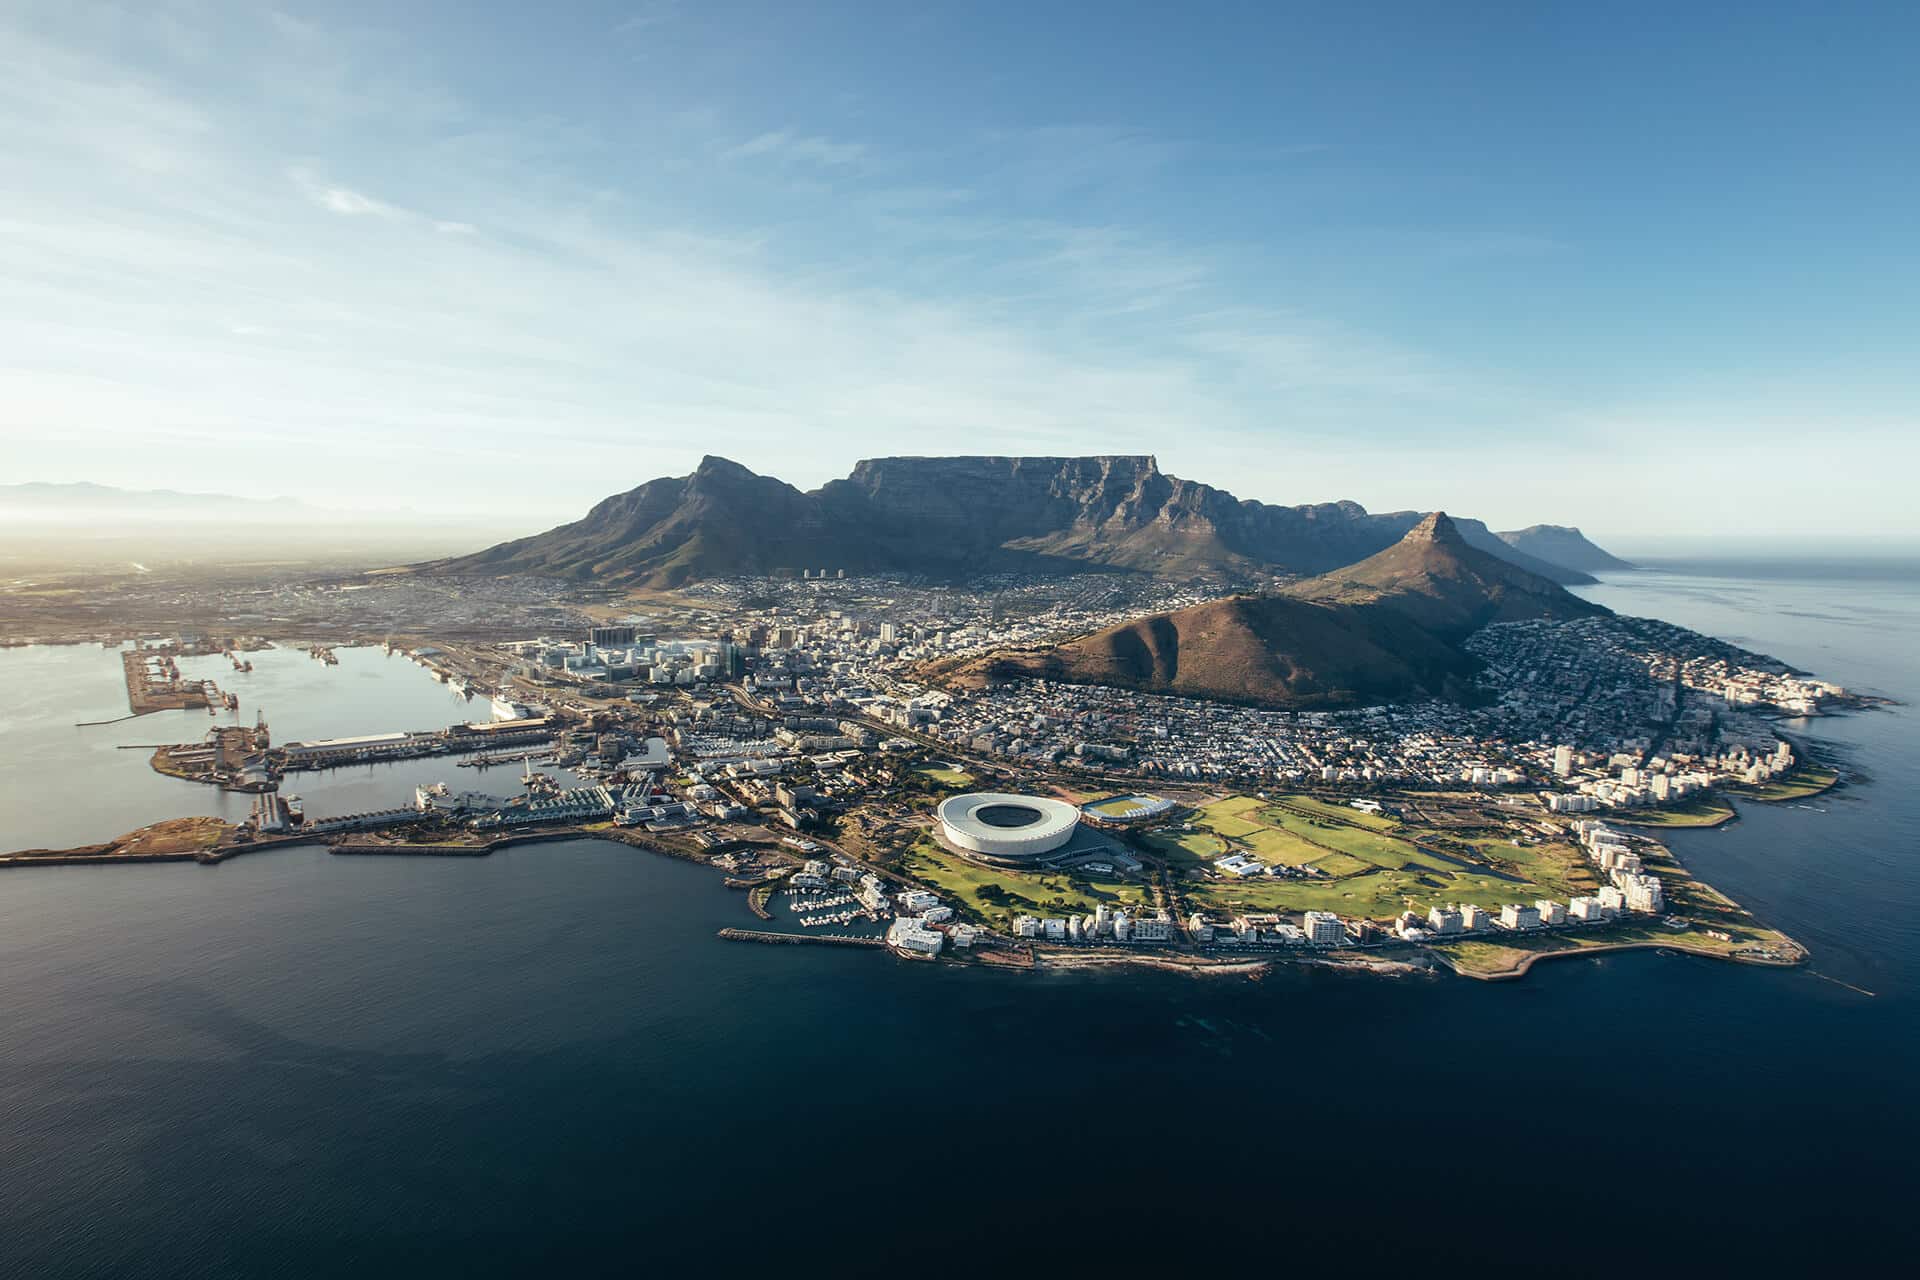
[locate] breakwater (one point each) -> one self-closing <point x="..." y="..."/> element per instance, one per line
<point x="797" y="939"/>
<point x="379" y="848"/>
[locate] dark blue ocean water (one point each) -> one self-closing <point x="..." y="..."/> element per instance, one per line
<point x="295" y="1064"/>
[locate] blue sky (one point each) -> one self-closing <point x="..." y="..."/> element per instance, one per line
<point x="1648" y="269"/>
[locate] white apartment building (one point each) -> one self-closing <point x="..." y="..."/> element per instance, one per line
<point x="1515" y="916"/>
<point x="1323" y="929"/>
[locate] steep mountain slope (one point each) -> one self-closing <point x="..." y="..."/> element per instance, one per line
<point x="722" y="519"/>
<point x="1437" y="579"/>
<point x="1477" y="534"/>
<point x="941" y="515"/>
<point x="1266" y="650"/>
<point x="1383" y="630"/>
<point x="1563" y="545"/>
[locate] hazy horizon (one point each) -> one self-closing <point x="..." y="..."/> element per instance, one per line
<point x="1634" y="270"/>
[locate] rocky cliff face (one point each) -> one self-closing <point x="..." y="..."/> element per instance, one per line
<point x="942" y="515"/>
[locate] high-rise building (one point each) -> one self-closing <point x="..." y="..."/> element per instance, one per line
<point x="1515" y="916"/>
<point x="1562" y="761"/>
<point x="1323" y="929"/>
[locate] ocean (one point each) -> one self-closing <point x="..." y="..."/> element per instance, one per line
<point x="295" y="1064"/>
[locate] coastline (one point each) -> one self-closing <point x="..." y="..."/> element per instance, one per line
<point x="124" y="850"/>
<point x="1033" y="959"/>
<point x="1520" y="967"/>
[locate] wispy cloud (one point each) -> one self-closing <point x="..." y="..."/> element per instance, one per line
<point x="433" y="287"/>
<point x="352" y="203"/>
<point x="786" y="145"/>
<point x="646" y="16"/>
<point x="356" y="204"/>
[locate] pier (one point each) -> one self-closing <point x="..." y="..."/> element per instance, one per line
<point x="488" y="761"/>
<point x="798" y="939"/>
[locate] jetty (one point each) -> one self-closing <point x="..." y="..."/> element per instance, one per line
<point x="798" y="939"/>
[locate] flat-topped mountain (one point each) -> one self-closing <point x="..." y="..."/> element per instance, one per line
<point x="1562" y="545"/>
<point x="954" y="515"/>
<point x="1384" y="630"/>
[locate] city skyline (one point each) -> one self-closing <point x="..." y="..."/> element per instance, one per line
<point x="1541" y="270"/>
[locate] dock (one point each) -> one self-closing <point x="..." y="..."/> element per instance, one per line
<point x="154" y="684"/>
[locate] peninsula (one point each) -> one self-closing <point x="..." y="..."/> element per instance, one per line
<point x="1039" y="712"/>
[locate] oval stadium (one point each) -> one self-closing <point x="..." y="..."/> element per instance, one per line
<point x="1006" y="828"/>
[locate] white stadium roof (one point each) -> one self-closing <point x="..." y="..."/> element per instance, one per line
<point x="1009" y="827"/>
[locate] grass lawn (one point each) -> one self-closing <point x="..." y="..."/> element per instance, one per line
<point x="1231" y="805"/>
<point x="1339" y="864"/>
<point x="1375" y="894"/>
<point x="958" y="779"/>
<point x="1187" y="846"/>
<point x="1345" y="813"/>
<point x="1502" y="952"/>
<point x="1802" y="782"/>
<point x="949" y="873"/>
<point x="1368" y="871"/>
<point x="1283" y="846"/>
<point x="1368" y="846"/>
<point x="1702" y="811"/>
<point x="1560" y="870"/>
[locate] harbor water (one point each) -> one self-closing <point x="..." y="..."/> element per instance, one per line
<point x="67" y="780"/>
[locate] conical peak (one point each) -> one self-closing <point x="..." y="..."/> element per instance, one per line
<point x="1438" y="527"/>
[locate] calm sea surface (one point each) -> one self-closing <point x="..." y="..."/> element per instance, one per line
<point x="63" y="785"/>
<point x="295" y="1064"/>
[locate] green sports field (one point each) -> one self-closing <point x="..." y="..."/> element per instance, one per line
<point x="1367" y="845"/>
<point x="1368" y="868"/>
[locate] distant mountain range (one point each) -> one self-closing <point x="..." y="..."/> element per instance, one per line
<point x="972" y="514"/>
<point x="41" y="499"/>
<point x="1562" y="545"/>
<point x="1385" y="629"/>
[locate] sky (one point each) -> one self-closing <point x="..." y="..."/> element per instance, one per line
<point x="1644" y="268"/>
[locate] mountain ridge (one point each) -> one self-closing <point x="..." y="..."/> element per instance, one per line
<point x="1385" y="629"/>
<point x="952" y="515"/>
<point x="1562" y="544"/>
